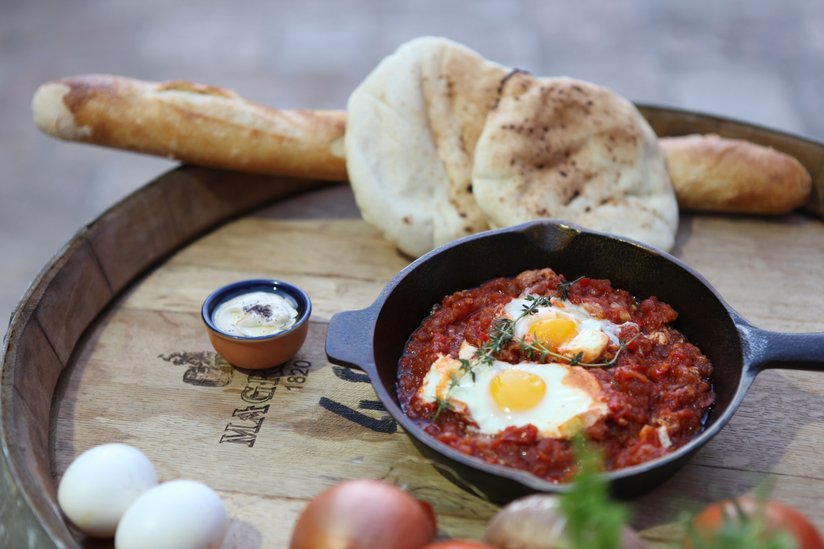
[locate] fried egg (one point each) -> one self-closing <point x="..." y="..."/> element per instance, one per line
<point x="562" y="327"/>
<point x="557" y="399"/>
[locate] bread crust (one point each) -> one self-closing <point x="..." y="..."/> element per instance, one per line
<point x="711" y="173"/>
<point x="193" y="123"/>
<point x="211" y="126"/>
<point x="413" y="125"/>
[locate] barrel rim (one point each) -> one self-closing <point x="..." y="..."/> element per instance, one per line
<point x="25" y="493"/>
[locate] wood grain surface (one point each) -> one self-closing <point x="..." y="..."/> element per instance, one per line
<point x="268" y="442"/>
<point x="108" y="345"/>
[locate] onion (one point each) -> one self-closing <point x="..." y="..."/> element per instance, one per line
<point x="364" y="514"/>
<point x="537" y="522"/>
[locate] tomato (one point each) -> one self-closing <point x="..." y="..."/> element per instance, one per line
<point x="778" y="517"/>
<point x="364" y="514"/>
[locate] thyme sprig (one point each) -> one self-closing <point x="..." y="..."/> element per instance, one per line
<point x="535" y="348"/>
<point x="502" y="333"/>
<point x="443" y="404"/>
<point x="564" y="287"/>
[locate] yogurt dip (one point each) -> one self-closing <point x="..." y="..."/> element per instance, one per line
<point x="256" y="314"/>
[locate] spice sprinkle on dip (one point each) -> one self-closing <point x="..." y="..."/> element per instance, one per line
<point x="255" y="314"/>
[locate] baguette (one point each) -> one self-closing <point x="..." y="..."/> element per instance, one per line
<point x="710" y="173"/>
<point x="193" y="123"/>
<point x="211" y="126"/>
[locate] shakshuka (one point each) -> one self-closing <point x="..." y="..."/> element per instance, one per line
<point x="512" y="370"/>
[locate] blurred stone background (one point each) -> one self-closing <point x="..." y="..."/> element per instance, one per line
<point x="756" y="60"/>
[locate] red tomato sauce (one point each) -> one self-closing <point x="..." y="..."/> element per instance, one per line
<point x="659" y="380"/>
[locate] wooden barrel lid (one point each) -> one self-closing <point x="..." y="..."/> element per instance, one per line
<point x="107" y="345"/>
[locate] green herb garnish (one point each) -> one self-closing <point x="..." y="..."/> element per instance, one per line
<point x="564" y="287"/>
<point x="534" y="349"/>
<point x="594" y="521"/>
<point x="443" y="404"/>
<point x="535" y="301"/>
<point x="502" y="333"/>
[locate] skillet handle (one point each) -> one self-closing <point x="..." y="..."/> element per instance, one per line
<point x="766" y="349"/>
<point x="349" y="340"/>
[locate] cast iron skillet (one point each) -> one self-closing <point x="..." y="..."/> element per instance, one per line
<point x="372" y="339"/>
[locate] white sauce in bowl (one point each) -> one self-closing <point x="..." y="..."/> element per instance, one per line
<point x="255" y="314"/>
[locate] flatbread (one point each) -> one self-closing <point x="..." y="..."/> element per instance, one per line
<point x="411" y="131"/>
<point x="567" y="149"/>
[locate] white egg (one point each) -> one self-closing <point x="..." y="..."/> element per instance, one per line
<point x="564" y="327"/>
<point x="557" y="399"/>
<point x="179" y="514"/>
<point x="101" y="483"/>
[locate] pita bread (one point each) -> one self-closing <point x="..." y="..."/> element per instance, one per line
<point x="411" y="130"/>
<point x="567" y="149"/>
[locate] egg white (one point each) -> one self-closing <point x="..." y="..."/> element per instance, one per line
<point x="593" y="335"/>
<point x="572" y="400"/>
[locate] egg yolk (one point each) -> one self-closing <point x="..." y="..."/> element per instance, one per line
<point x="516" y="390"/>
<point x="554" y="332"/>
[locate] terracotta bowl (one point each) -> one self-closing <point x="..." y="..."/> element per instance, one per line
<point x="258" y="353"/>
